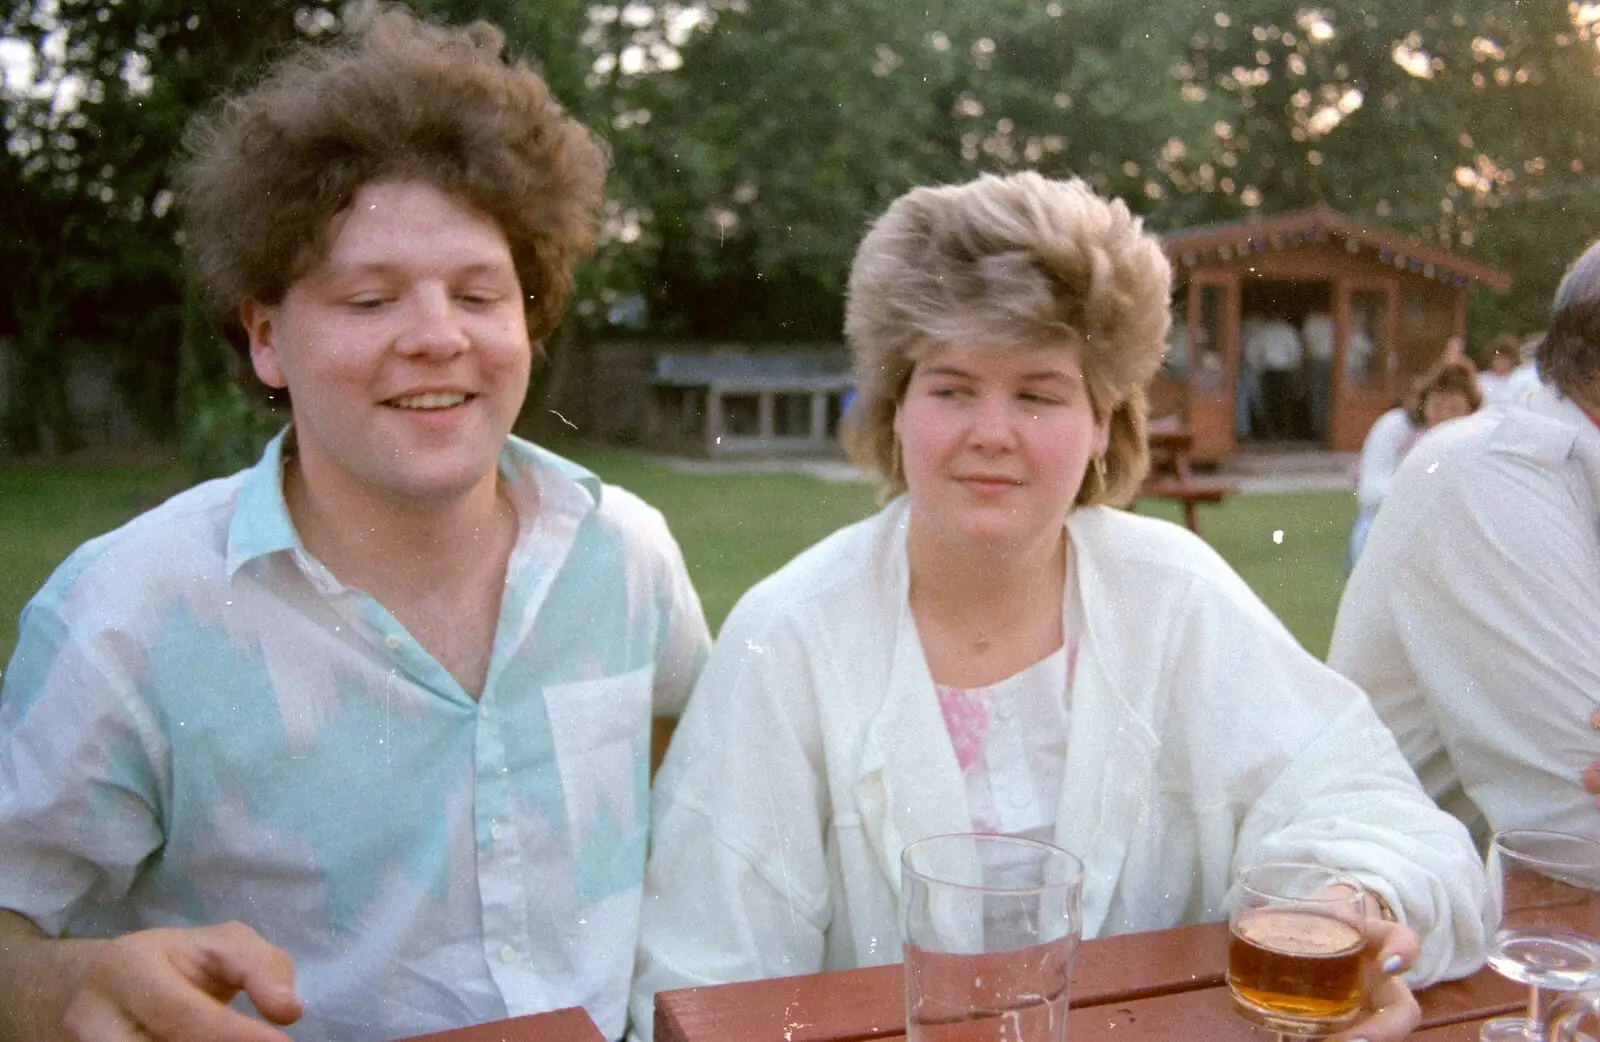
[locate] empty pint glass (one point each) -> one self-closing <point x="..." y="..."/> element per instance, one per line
<point x="990" y="925"/>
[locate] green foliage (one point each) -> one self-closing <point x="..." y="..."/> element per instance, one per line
<point x="754" y="139"/>
<point x="46" y="513"/>
<point x="223" y="429"/>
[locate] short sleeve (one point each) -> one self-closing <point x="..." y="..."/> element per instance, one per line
<point x="80" y="795"/>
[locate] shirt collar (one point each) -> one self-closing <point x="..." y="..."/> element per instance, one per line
<point x="261" y="524"/>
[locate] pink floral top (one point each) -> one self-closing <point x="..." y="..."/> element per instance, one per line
<point x="1010" y="741"/>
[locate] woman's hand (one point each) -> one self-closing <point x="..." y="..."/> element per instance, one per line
<point x="1390" y="1011"/>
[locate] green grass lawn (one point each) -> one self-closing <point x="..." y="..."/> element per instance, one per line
<point x="734" y="529"/>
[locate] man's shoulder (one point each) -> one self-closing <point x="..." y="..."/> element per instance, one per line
<point x="186" y="533"/>
<point x="1536" y="437"/>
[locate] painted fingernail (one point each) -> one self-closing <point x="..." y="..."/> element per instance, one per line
<point x="1391" y="966"/>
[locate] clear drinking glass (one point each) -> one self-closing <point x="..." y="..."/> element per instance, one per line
<point x="1575" y="1017"/>
<point x="1297" y="940"/>
<point x="1543" y="921"/>
<point x="990" y="926"/>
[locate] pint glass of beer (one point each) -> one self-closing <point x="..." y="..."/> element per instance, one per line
<point x="1295" y="948"/>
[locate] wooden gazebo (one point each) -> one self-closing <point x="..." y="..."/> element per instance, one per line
<point x="1392" y="302"/>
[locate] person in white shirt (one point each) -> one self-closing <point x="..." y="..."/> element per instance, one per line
<point x="1445" y="392"/>
<point x="1274" y="345"/>
<point x="1525" y="377"/>
<point x="1472" y="618"/>
<point x="1248" y="408"/>
<point x="1316" y="333"/>
<point x="1497" y="382"/>
<point x="1002" y="649"/>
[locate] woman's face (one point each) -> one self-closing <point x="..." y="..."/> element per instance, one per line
<point x="1441" y="405"/>
<point x="995" y="443"/>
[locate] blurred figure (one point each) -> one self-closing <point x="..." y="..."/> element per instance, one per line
<point x="1447" y="391"/>
<point x="1247" y="409"/>
<point x="1496" y="382"/>
<point x="1525" y="377"/>
<point x="1316" y="332"/>
<point x="1275" y="347"/>
<point x="1473" y="617"/>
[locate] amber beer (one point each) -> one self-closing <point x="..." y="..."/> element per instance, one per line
<point x="1287" y="964"/>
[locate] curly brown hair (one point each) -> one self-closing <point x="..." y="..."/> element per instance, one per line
<point x="1008" y="262"/>
<point x="1451" y="374"/>
<point x="265" y="172"/>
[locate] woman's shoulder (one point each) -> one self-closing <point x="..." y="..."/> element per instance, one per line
<point x="1125" y="551"/>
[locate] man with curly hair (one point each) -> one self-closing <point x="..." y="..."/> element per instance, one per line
<point x="355" y="740"/>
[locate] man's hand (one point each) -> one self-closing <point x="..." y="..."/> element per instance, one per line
<point x="175" y="986"/>
<point x="1591" y="775"/>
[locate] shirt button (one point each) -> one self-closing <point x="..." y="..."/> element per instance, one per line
<point x="483" y="712"/>
<point x="1020" y="800"/>
<point x="1003" y="710"/>
<point x="508" y="954"/>
<point x="393" y="640"/>
<point x="497" y="832"/>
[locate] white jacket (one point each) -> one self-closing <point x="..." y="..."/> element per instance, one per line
<point x="1201" y="736"/>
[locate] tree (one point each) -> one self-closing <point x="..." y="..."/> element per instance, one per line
<point x="94" y="255"/>
<point x="755" y="167"/>
<point x="1435" y="121"/>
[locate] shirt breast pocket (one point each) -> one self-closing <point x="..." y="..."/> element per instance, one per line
<point x="601" y="733"/>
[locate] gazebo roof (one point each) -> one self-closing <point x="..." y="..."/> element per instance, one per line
<point x="1319" y="224"/>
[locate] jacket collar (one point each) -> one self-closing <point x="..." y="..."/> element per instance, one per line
<point x="909" y="785"/>
<point x="1585" y="451"/>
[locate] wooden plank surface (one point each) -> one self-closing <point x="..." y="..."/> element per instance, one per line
<point x="1161" y="985"/>
<point x="562" y="1025"/>
<point x="1209" y="1015"/>
<point x="870" y="1003"/>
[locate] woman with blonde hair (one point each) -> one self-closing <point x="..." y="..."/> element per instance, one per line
<point x="1000" y="649"/>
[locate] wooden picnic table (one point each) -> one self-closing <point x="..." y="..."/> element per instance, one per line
<point x="1172" y="475"/>
<point x="562" y="1025"/>
<point x="1143" y="987"/>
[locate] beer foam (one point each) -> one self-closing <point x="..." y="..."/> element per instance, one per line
<point x="1298" y="933"/>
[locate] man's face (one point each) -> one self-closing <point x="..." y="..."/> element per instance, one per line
<point x="405" y="349"/>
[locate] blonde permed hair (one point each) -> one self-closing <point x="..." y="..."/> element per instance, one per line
<point x="1009" y="262"/>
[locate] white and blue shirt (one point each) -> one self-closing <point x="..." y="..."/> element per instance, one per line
<point x="202" y="724"/>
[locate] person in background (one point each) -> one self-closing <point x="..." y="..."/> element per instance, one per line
<point x="1001" y="649"/>
<point x="1496" y="382"/>
<point x="1248" y="408"/>
<point x="1471" y="618"/>
<point x="1447" y="391"/>
<point x="1525" y="377"/>
<point x="1275" y="345"/>
<point x="1316" y="333"/>
<point x="358" y="736"/>
<point x="1360" y="351"/>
